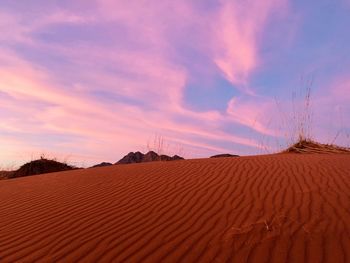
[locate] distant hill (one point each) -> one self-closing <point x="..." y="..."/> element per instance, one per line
<point x="103" y="164"/>
<point x="224" y="155"/>
<point x="40" y="166"/>
<point x="151" y="156"/>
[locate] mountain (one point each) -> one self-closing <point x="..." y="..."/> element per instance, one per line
<point x="151" y="156"/>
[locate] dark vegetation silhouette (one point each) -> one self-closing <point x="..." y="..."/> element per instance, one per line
<point x="40" y="166"/>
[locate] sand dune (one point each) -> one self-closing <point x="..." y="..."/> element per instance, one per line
<point x="274" y="208"/>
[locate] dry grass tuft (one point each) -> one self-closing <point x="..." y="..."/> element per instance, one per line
<point x="309" y="146"/>
<point x="161" y="146"/>
<point x="299" y="125"/>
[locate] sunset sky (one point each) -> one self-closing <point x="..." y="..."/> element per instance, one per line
<point x="91" y="80"/>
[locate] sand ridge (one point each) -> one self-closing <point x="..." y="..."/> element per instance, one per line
<point x="273" y="208"/>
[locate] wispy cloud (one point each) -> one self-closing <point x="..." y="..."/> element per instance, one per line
<point x="239" y="27"/>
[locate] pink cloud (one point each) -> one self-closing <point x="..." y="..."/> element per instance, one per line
<point x="237" y="37"/>
<point x="255" y="112"/>
<point x="11" y="28"/>
<point x="64" y="17"/>
<point x="16" y="28"/>
<point x="146" y="74"/>
<point x="72" y="112"/>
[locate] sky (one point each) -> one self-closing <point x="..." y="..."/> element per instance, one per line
<point x="88" y="81"/>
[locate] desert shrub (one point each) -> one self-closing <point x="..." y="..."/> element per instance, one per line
<point x="41" y="166"/>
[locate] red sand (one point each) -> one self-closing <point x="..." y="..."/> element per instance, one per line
<point x="275" y="208"/>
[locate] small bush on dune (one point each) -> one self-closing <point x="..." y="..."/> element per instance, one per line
<point x="300" y="135"/>
<point x="309" y="146"/>
<point x="41" y="166"/>
<point x="297" y="122"/>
